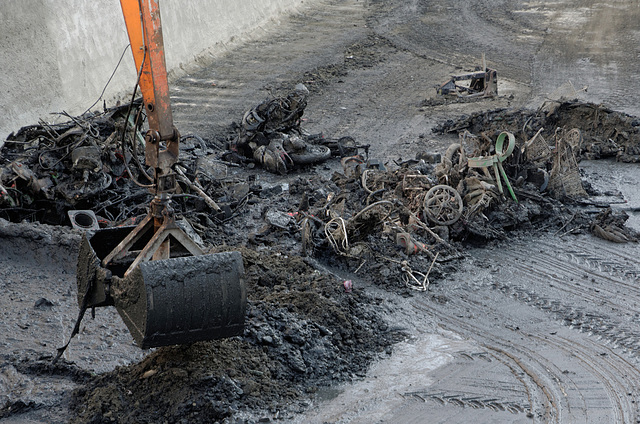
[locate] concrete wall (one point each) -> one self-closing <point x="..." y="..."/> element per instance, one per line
<point x="57" y="55"/>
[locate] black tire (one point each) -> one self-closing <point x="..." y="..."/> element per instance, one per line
<point x="313" y="153"/>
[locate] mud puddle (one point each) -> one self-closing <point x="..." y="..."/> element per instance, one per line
<point x="594" y="52"/>
<point x="387" y="382"/>
<point x="620" y="182"/>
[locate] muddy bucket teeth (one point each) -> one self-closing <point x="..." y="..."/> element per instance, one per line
<point x="183" y="300"/>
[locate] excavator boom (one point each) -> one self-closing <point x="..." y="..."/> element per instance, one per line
<point x="165" y="288"/>
<point x="144" y="27"/>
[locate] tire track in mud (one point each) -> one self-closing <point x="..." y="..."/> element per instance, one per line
<point x="588" y="279"/>
<point x="504" y="33"/>
<point x="595" y="388"/>
<point x="581" y="252"/>
<point x="542" y="403"/>
<point x="626" y="376"/>
<point x="589" y="375"/>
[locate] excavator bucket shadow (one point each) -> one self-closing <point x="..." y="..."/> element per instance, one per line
<point x="178" y="300"/>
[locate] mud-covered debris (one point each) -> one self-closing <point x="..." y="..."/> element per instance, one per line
<point x="279" y="219"/>
<point x="605" y="133"/>
<point x="388" y="223"/>
<point x="610" y="225"/>
<point x="408" y="215"/>
<point x="270" y="134"/>
<point x="482" y="82"/>
<point x="564" y="177"/>
<point x="43" y="303"/>
<point x="48" y="171"/>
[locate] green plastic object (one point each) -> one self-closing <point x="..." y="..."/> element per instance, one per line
<point x="495" y="161"/>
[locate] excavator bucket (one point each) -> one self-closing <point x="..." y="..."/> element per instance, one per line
<point x="178" y="300"/>
<point x="165" y="288"/>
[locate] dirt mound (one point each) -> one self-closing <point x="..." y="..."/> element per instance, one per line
<point x="303" y="331"/>
<point x="605" y="132"/>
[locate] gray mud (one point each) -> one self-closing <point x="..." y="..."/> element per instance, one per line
<point x="541" y="327"/>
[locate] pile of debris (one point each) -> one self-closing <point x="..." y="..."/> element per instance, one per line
<point x="84" y="163"/>
<point x="270" y="135"/>
<point x="506" y="172"/>
<point x="605" y="133"/>
<point x="91" y="162"/>
<point x="398" y="225"/>
<point x="405" y="223"/>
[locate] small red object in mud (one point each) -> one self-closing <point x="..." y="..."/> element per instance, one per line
<point x="348" y="286"/>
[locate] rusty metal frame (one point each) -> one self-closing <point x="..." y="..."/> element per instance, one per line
<point x="483" y="83"/>
<point x="156" y="248"/>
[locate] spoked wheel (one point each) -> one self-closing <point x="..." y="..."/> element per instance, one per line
<point x="574" y="139"/>
<point x="443" y="205"/>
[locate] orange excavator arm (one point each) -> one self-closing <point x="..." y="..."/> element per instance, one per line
<point x="142" y="18"/>
<point x="164" y="286"/>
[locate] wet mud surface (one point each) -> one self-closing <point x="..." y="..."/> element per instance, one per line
<point x="531" y="309"/>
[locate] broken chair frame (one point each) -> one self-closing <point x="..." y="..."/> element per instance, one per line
<point x="483" y="83"/>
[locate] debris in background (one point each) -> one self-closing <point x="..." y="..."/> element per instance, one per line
<point x="47" y="171"/>
<point x="605" y="133"/>
<point x="564" y="178"/>
<point x="610" y="226"/>
<point x="270" y="135"/>
<point x="495" y="162"/>
<point x="379" y="218"/>
<point x="483" y="82"/>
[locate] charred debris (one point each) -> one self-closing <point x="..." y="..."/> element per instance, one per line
<point x="510" y="170"/>
<point x="399" y="225"/>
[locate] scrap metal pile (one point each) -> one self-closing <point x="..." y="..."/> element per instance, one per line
<point x="48" y="171"/>
<point x="270" y="135"/>
<point x="605" y="133"/>
<point x="495" y="179"/>
<point x="90" y="163"/>
<point x="413" y="217"/>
